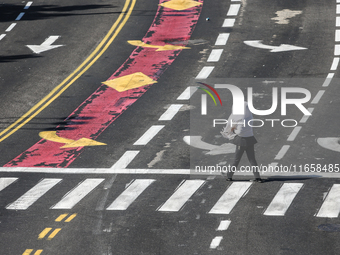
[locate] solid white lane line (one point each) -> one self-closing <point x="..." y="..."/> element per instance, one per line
<point x="222" y="39"/>
<point x="228" y="23"/>
<point x="318" y="97"/>
<point x="181" y="195"/>
<point x="283" y="199"/>
<point x="187" y="93"/>
<point x="337" y="50"/>
<point x="205" y="72"/>
<point x="294" y="133"/>
<point x="2" y="36"/>
<point x="337" y="35"/>
<point x="20" y="16"/>
<point x="335" y="64"/>
<point x="28" y="5"/>
<point x="229" y="199"/>
<point x="331" y="206"/>
<point x="125" y="160"/>
<point x="77" y="194"/>
<point x="6" y="181"/>
<point x="216" y="242"/>
<point x="306" y="117"/>
<point x="215" y="55"/>
<point x="10" y="27"/>
<point x="33" y="194"/>
<point x="224" y="225"/>
<point x="171" y="112"/>
<point x="149" y="134"/>
<point x="328" y="80"/>
<point x="130" y="194"/>
<point x="338" y="21"/>
<point x="233" y="9"/>
<point x="282" y="152"/>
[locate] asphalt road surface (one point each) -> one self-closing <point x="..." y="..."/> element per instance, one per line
<point x="105" y="147"/>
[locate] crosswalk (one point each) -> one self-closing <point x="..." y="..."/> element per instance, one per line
<point x="283" y="197"/>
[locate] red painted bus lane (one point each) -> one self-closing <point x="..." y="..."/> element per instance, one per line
<point x="174" y="21"/>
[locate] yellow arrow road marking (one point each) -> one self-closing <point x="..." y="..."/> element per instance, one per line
<point x="158" y="47"/>
<point x="130" y="81"/>
<point x="180" y="5"/>
<point x="69" y="143"/>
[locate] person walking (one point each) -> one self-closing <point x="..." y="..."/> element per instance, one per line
<point x="241" y="134"/>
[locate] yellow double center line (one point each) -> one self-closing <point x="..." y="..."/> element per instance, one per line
<point x="57" y="91"/>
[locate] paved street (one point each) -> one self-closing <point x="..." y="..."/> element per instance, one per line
<point x="110" y="122"/>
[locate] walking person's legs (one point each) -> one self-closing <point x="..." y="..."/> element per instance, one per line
<point x="237" y="158"/>
<point x="251" y="157"/>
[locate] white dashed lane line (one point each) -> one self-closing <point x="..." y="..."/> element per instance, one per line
<point x="149" y="134"/>
<point x="10" y="27"/>
<point x="222" y="39"/>
<point x="19" y="17"/>
<point x="205" y="72"/>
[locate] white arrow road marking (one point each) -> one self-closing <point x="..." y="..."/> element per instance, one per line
<point x="46" y="45"/>
<point x="282" y="47"/>
<point x="331" y="143"/>
<point x="196" y="141"/>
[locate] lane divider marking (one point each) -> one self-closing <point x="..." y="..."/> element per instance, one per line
<point x="187" y="93"/>
<point x="57" y="91"/>
<point x="294" y="133"/>
<point x="234" y="9"/>
<point x="10" y="27"/>
<point x="29" y="251"/>
<point x="205" y="72"/>
<point x="306" y="117"/>
<point x="125" y="160"/>
<point x="282" y="152"/>
<point x="318" y="97"/>
<point x="20" y="16"/>
<point x="215" y="55"/>
<point x="222" y="39"/>
<point x="229" y="23"/>
<point x="149" y="134"/>
<point x="170" y="112"/>
<point x="335" y="63"/>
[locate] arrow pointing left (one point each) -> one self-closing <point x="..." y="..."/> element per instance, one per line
<point x="46" y="45"/>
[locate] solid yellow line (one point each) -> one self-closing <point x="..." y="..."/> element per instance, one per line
<point x="30" y="115"/>
<point x="71" y="217"/>
<point x="38" y="252"/>
<point x="44" y="233"/>
<point x="61" y="217"/>
<point x="27" y="252"/>
<point x="54" y="233"/>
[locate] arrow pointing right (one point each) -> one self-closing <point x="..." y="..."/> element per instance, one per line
<point x="282" y="47"/>
<point x="46" y="45"/>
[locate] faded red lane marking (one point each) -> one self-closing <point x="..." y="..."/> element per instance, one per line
<point x="94" y="115"/>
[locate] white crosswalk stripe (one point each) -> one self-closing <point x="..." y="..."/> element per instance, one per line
<point x="130" y="194"/>
<point x="77" y="194"/>
<point x="33" y="194"/>
<point x="283" y="199"/>
<point x="5" y="182"/>
<point x="279" y="205"/>
<point x="230" y="198"/>
<point x="181" y="195"/>
<point x="331" y="206"/>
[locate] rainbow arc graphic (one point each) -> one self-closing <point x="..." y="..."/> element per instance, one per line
<point x="204" y="100"/>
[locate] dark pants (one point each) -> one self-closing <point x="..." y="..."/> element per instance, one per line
<point x="251" y="157"/>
